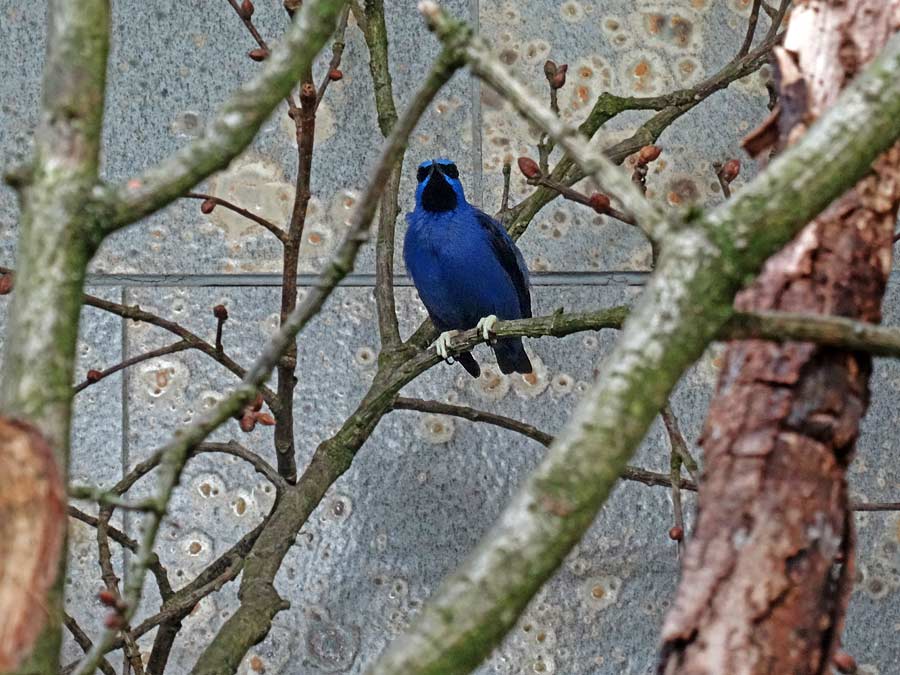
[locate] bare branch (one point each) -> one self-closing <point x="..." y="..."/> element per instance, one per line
<point x="85" y="643"/>
<point x="489" y="68"/>
<point x="248" y="22"/>
<point x="751" y="28"/>
<point x="237" y="450"/>
<point x="832" y="331"/>
<point x="337" y="52"/>
<point x="701" y="267"/>
<point x="233" y="127"/>
<point x="504" y="199"/>
<point x="630" y="473"/>
<point x="670" y="107"/>
<point x="249" y="215"/>
<point x="676" y="532"/>
<point x="156" y="567"/>
<point x="95" y="376"/>
<point x="135" y="313"/>
<point x="473" y="415"/>
<point x="251" y="622"/>
<point x="375" y="32"/>
<point x="678" y="444"/>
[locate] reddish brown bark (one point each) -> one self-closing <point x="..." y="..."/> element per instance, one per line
<point x="32" y="527"/>
<point x="762" y="588"/>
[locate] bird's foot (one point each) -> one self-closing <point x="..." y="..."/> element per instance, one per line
<point x="486" y="325"/>
<point x="443" y="342"/>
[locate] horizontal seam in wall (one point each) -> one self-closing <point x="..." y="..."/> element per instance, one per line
<point x="574" y="279"/>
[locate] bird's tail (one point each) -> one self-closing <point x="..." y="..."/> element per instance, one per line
<point x="511" y="356"/>
<point x="469" y="363"/>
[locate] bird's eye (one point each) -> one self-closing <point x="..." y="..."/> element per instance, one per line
<point x="422" y="173"/>
<point x="450" y="170"/>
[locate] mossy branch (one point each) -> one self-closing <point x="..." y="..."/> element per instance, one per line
<point x="230" y="131"/>
<point x="42" y="328"/>
<point x="375" y="31"/>
<point x="489" y="68"/>
<point x="260" y="601"/>
<point x="687" y="301"/>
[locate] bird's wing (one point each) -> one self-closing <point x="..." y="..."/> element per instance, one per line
<point x="510" y="258"/>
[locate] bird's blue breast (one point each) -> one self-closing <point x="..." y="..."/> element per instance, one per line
<point x="456" y="270"/>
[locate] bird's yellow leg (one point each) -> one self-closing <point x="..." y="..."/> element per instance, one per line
<point x="485" y="325"/>
<point x="443" y="342"/>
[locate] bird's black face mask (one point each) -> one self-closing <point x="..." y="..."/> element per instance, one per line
<point x="438" y="194"/>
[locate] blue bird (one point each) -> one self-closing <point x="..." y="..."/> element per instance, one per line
<point x="467" y="269"/>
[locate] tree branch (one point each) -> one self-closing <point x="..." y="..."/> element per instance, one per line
<point x="233" y="127"/>
<point x="702" y="265"/>
<point x="678" y="444"/>
<point x="95" y="376"/>
<point x="235" y="449"/>
<point x="53" y="253"/>
<point x="831" y="331"/>
<point x="85" y="643"/>
<point x="375" y="33"/>
<point x="630" y="473"/>
<point x="260" y="601"/>
<point x="670" y="107"/>
<point x="473" y="415"/>
<point x="337" y="52"/>
<point x="123" y="540"/>
<point x="135" y="313"/>
<point x="249" y="215"/>
<point x="247" y="18"/>
<point x="489" y="68"/>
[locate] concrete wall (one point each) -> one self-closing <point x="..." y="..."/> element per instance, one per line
<point x="423" y="489"/>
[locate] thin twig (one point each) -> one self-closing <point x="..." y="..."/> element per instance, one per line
<point x="220" y="325"/>
<point x="235" y="449"/>
<point x="337" y="52"/>
<point x="135" y="313"/>
<point x="305" y="134"/>
<point x="248" y="22"/>
<point x="677" y="442"/>
<point x="473" y="415"/>
<point x="249" y="215"/>
<point x="231" y="129"/>
<point x="85" y="643"/>
<point x="504" y="198"/>
<point x="751" y="29"/>
<point x="726" y="188"/>
<point x="159" y="571"/>
<point x="574" y="195"/>
<point x="96" y="376"/>
<point x="489" y="68"/>
<point x="777" y="18"/>
<point x="875" y="506"/>
<point x="106" y="498"/>
<point x="677" y="532"/>
<point x="630" y="473"/>
<point x="375" y="33"/>
<point x="111" y="581"/>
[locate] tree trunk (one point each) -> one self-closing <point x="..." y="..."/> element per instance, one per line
<point x="766" y="578"/>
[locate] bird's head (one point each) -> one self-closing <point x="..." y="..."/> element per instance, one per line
<point x="439" y="187"/>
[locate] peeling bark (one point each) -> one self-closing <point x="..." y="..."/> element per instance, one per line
<point x="764" y="588"/>
<point x="32" y="528"/>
